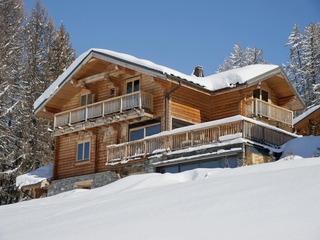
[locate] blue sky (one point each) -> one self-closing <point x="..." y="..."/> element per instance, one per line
<point x="181" y="34"/>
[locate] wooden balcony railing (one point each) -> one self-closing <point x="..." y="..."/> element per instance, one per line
<point x="200" y="134"/>
<point x="257" y="107"/>
<point x="138" y="100"/>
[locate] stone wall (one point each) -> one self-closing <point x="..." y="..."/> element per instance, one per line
<point x="85" y="181"/>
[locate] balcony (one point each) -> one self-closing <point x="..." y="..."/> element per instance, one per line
<point x="256" y="107"/>
<point x="114" y="109"/>
<point x="198" y="135"/>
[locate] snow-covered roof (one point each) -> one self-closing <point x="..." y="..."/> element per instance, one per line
<point x="227" y="79"/>
<point x="36" y="176"/>
<point x="305" y="114"/>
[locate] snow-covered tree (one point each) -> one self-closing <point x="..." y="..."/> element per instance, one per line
<point x="33" y="53"/>
<point x="11" y="40"/>
<point x="304" y="65"/>
<point x="241" y="58"/>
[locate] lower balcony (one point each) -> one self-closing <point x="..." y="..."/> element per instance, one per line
<point x="259" y="108"/>
<point x="111" y="110"/>
<point x="204" y="134"/>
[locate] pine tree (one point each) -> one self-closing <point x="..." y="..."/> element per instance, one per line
<point x="11" y="43"/>
<point x="33" y="53"/>
<point x="304" y="65"/>
<point x="241" y="58"/>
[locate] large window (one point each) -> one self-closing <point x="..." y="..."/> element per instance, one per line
<point x="83" y="153"/>
<point x="142" y="132"/>
<point x="133" y="86"/>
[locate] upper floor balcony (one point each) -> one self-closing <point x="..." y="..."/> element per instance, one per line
<point x="256" y="107"/>
<point x="115" y="109"/>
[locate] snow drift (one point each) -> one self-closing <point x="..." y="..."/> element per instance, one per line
<point x="277" y="200"/>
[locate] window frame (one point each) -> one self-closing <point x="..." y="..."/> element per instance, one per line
<point x="261" y="94"/>
<point x="83" y="143"/>
<point x="144" y="130"/>
<point x="132" y="82"/>
<point x="87" y="98"/>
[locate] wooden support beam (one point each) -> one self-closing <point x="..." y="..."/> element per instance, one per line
<point x="93" y="78"/>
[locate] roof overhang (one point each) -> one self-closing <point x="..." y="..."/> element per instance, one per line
<point x="151" y="69"/>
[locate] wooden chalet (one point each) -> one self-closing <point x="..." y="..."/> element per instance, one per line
<point x="116" y="114"/>
<point x="308" y="123"/>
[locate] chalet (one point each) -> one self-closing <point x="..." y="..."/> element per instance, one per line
<point x="116" y="115"/>
<point x="308" y="123"/>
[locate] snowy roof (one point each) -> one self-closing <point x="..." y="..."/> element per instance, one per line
<point x="36" y="176"/>
<point x="305" y="114"/>
<point x="227" y="79"/>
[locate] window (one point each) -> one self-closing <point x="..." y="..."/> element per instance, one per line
<point x="133" y="86"/>
<point x="83" y="153"/>
<point x="261" y="94"/>
<point x="86" y="99"/>
<point x="142" y="132"/>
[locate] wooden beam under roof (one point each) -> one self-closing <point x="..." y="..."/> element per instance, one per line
<point x="93" y="78"/>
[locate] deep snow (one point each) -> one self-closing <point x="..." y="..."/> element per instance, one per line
<point x="279" y="200"/>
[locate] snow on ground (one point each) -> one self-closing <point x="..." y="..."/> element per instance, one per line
<point x="279" y="200"/>
<point x="305" y="147"/>
<point x="35" y="176"/>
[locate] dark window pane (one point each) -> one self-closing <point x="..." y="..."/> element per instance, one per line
<point x="129" y="87"/>
<point x="152" y="130"/>
<point x="136" y="87"/>
<point x="86" y="150"/>
<point x="83" y="100"/>
<point x="80" y="152"/>
<point x="256" y="93"/>
<point x="90" y="99"/>
<point x="264" y="96"/>
<point x="137" y="134"/>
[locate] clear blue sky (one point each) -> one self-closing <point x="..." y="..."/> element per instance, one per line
<point x="181" y="34"/>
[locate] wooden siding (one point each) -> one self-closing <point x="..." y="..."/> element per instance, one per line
<point x="190" y="106"/>
<point x="65" y="158"/>
<point x="225" y="105"/>
<point x="310" y="125"/>
<point x="66" y="150"/>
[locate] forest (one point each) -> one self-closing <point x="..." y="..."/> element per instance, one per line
<point x="34" y="52"/>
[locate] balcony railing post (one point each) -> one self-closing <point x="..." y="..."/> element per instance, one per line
<point x="140" y="100"/>
<point x="121" y="104"/>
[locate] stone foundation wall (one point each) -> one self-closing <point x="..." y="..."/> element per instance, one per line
<point x="95" y="180"/>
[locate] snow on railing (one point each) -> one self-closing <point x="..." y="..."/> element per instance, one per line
<point x="185" y="138"/>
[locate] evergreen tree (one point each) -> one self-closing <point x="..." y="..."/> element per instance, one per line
<point x="304" y="65"/>
<point x="11" y="42"/>
<point x="241" y="58"/>
<point x="33" y="53"/>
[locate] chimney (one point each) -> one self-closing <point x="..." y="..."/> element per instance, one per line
<point x="198" y="71"/>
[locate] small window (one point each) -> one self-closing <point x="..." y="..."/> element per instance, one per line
<point x="264" y="96"/>
<point x="83" y="151"/>
<point x="133" y="86"/>
<point x="261" y="94"/>
<point x="86" y="99"/>
<point x="142" y="132"/>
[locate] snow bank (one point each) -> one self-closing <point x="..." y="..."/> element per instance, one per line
<point x="277" y="200"/>
<point x="304" y="147"/>
<point x="35" y="176"/>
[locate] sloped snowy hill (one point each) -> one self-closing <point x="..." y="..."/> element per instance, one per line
<point x="278" y="200"/>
